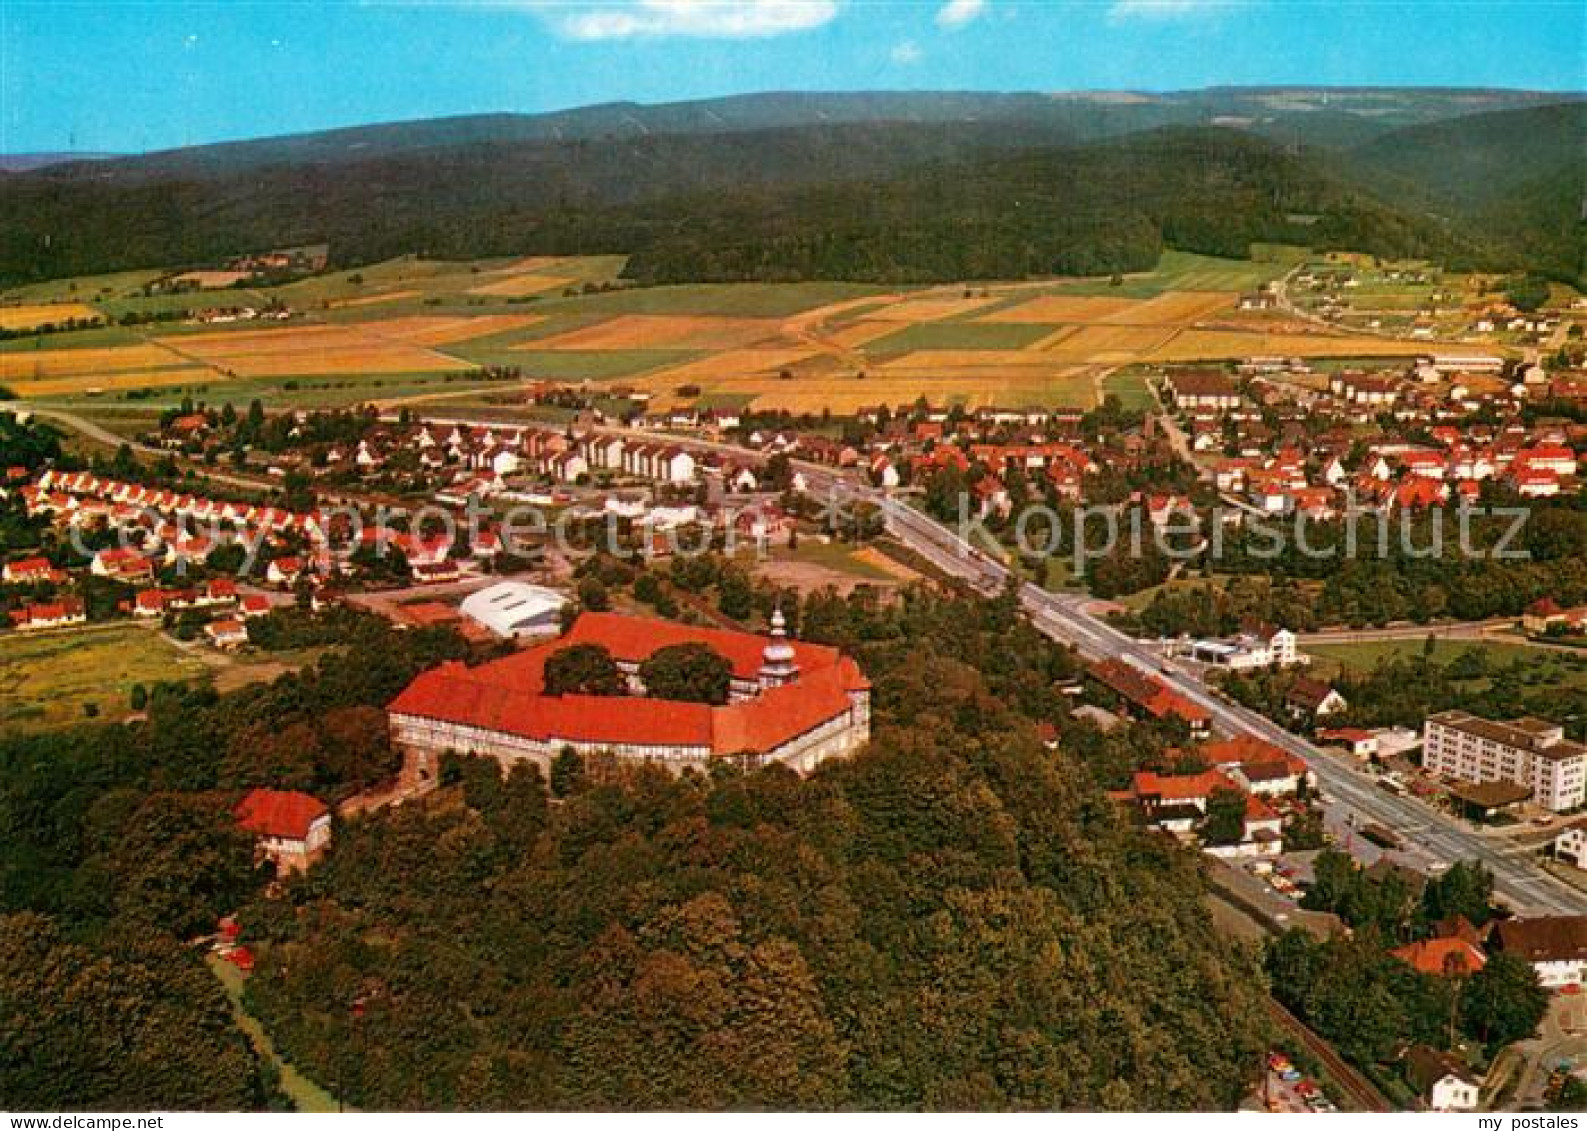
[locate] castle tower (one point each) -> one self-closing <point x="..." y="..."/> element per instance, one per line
<point x="777" y="660"/>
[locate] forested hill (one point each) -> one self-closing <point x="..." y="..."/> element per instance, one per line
<point x="1092" y="209"/>
<point x="889" y="201"/>
<point x="1518" y="176"/>
<point x="955" y="919"/>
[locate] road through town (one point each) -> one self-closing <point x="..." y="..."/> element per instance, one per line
<point x="1433" y="839"/>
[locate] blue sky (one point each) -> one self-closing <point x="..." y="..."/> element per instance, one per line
<point x="130" y="75"/>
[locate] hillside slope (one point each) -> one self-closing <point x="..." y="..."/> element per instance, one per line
<point x="1517" y="176"/>
<point x="890" y="201"/>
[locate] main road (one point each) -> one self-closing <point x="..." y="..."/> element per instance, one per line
<point x="1434" y="837"/>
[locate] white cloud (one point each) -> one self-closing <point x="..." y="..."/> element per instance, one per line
<point x="1163" y="9"/>
<point x="957" y="13"/>
<point x="698" y="19"/>
<point x="906" y="53"/>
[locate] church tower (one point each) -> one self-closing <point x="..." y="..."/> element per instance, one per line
<point x="777" y="660"/>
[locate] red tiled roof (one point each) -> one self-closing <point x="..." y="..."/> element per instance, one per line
<point x="508" y="694"/>
<point x="632" y="640"/>
<point x="279" y="813"/>
<point x="1179" y="787"/>
<point x="1442" y="956"/>
<point x="1147" y="693"/>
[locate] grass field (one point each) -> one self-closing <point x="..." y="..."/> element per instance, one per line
<point x="47" y="680"/>
<point x="1566" y="670"/>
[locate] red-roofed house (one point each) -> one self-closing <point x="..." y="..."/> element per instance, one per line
<point x="292" y="828"/>
<point x="123" y="565"/>
<point x="1446" y="957"/>
<point x="1145" y="695"/>
<point x="30" y="571"/>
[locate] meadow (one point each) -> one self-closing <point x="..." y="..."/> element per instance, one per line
<point x="51" y="679"/>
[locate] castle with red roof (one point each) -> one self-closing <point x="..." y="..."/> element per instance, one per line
<point x="789" y="702"/>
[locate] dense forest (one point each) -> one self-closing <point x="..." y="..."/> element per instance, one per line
<point x="939" y="199"/>
<point x="954" y="919"/>
<point x="117" y="846"/>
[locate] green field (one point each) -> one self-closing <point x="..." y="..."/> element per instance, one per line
<point x="47" y="680"/>
<point x="839" y="557"/>
<point x="1566" y="670"/>
<point x="1130" y="387"/>
<point x="733" y="300"/>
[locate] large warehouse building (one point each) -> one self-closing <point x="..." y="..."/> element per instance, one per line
<point x="513" y="609"/>
<point x="790" y="702"/>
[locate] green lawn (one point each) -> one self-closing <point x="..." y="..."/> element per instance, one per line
<point x="595" y="365"/>
<point x="77" y="339"/>
<point x="47" y="679"/>
<point x="1130" y="387"/>
<point x="960" y="336"/>
<point x="835" y="556"/>
<point x="1564" y="669"/>
<point x="81" y="288"/>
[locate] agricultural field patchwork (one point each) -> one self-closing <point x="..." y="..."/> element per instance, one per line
<point x="410" y="328"/>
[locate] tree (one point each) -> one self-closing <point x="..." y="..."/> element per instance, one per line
<point x="692" y="673"/>
<point x="1225" y="823"/>
<point x="1503" y="1001"/>
<point x="583" y="669"/>
<point x="567" y="772"/>
<point x="130" y="1022"/>
<point x="593" y="595"/>
<point x="1466" y="888"/>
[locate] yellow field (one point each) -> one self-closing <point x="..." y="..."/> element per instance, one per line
<point x="1209" y="345"/>
<point x="729" y="364"/>
<point x="89" y="384"/>
<point x="1176" y="308"/>
<point x="1110" y="343"/>
<point x="517" y="286"/>
<point x="926" y="360"/>
<point x="69" y="363"/>
<point x="858" y="333"/>
<point x="1045" y="309"/>
<point x="926" y="309"/>
<point x="663" y="331"/>
<point x="38" y="314"/>
<point x="305" y="350"/>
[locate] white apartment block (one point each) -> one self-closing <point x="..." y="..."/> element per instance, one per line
<point x="1528" y="752"/>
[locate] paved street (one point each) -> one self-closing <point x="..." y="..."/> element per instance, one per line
<point x="1432" y="838"/>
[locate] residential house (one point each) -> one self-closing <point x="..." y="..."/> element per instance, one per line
<point x="1556" y="946"/>
<point x="1309" y="698"/>
<point x="1442" y="1082"/>
<point x="292" y="829"/>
